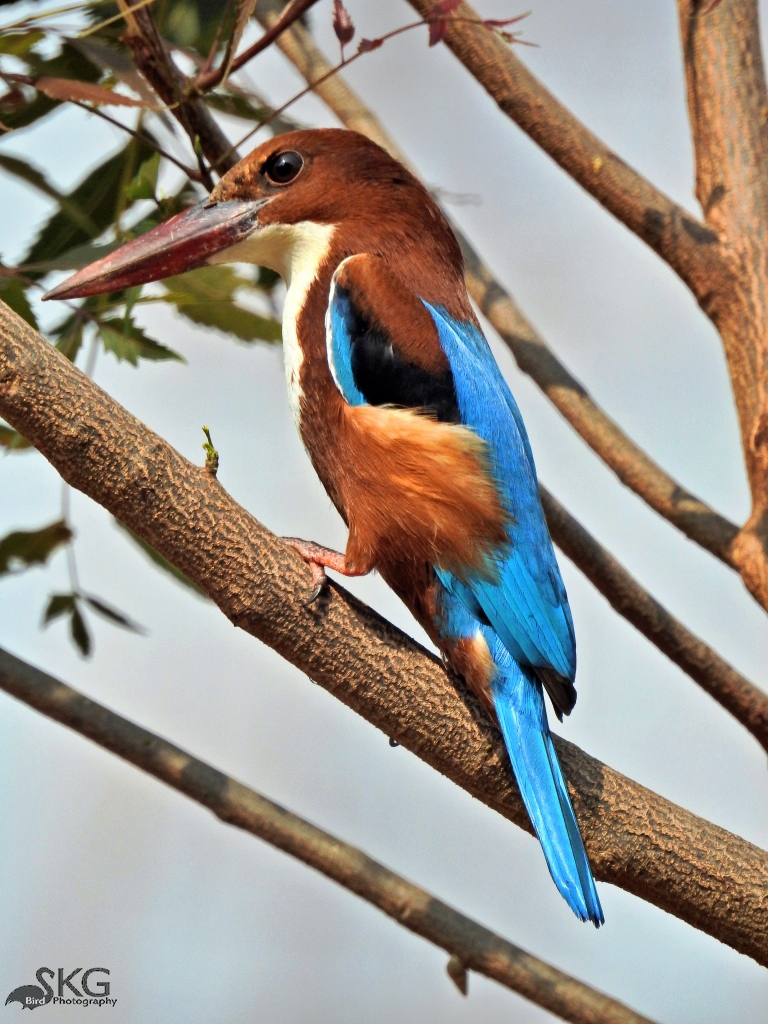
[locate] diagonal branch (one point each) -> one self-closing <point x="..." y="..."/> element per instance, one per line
<point x="689" y="247"/>
<point x="475" y="947"/>
<point x="635" y="839"/>
<point x="746" y="702"/>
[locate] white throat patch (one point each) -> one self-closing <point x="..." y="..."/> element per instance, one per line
<point x="296" y="252"/>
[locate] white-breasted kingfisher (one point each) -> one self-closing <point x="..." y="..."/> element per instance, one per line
<point x="409" y="424"/>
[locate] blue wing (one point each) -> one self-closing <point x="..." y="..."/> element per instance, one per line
<point x="527" y="604"/>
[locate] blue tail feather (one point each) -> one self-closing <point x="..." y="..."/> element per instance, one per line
<point x="519" y="703"/>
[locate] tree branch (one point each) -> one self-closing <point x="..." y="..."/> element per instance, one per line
<point x="727" y="103"/>
<point x="746" y="702"/>
<point x="475" y="947"/>
<point x="689" y="247"/>
<point x="151" y="57"/>
<point x="635" y="839"/>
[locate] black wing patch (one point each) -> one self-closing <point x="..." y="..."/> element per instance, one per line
<point x="384" y="376"/>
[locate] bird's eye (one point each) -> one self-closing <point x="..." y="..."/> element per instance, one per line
<point x="282" y="168"/>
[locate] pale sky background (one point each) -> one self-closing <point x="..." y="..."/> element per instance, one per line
<point x="101" y="865"/>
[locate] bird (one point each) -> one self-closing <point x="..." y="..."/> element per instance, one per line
<point x="409" y="424"/>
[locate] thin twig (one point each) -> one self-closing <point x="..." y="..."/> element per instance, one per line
<point x="478" y="948"/>
<point x="209" y="79"/>
<point x="635" y="838"/>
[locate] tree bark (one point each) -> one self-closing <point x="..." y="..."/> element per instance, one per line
<point x="635" y="839"/>
<point x="728" y="109"/>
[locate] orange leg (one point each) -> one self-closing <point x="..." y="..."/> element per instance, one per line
<point x="319" y="559"/>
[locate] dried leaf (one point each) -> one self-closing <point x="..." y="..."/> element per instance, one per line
<point x="437" y="30"/>
<point x="342" y="23"/>
<point x="23" y="548"/>
<point x="68" y="63"/>
<point x="122" y="67"/>
<point x="84" y="92"/>
<point x="367" y="45"/>
<point x="444" y="7"/>
<point x="128" y="343"/>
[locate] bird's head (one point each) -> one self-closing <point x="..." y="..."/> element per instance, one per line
<point x="277" y="208"/>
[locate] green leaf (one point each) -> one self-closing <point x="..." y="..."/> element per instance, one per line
<point x="79" y="632"/>
<point x="67" y="604"/>
<point x="58" y="605"/>
<point x="128" y="343"/>
<point x="111" y="614"/>
<point x="12" y="440"/>
<point x="12" y="293"/>
<point x="160" y="561"/>
<point x="97" y="196"/>
<point x="23" y="548"/>
<point x="17" y="44"/>
<point x="206" y="296"/>
<point x="145" y="181"/>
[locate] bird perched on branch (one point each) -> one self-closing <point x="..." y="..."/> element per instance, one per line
<point x="409" y="424"/>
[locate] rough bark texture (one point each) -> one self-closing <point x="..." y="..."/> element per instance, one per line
<point x="472" y="946"/>
<point x="635" y="839"/>
<point x="728" y="108"/>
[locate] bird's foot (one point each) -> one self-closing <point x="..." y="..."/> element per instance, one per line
<point x="319" y="559"/>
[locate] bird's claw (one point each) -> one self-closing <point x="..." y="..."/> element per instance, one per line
<point x="310" y="551"/>
<point x="320" y="579"/>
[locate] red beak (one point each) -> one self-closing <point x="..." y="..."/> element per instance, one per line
<point x="184" y="242"/>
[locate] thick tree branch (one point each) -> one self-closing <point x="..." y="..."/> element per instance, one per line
<point x="689" y="247"/>
<point x="635" y="839"/>
<point x="727" y="104"/>
<point x="475" y="947"/>
<point x="733" y="691"/>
